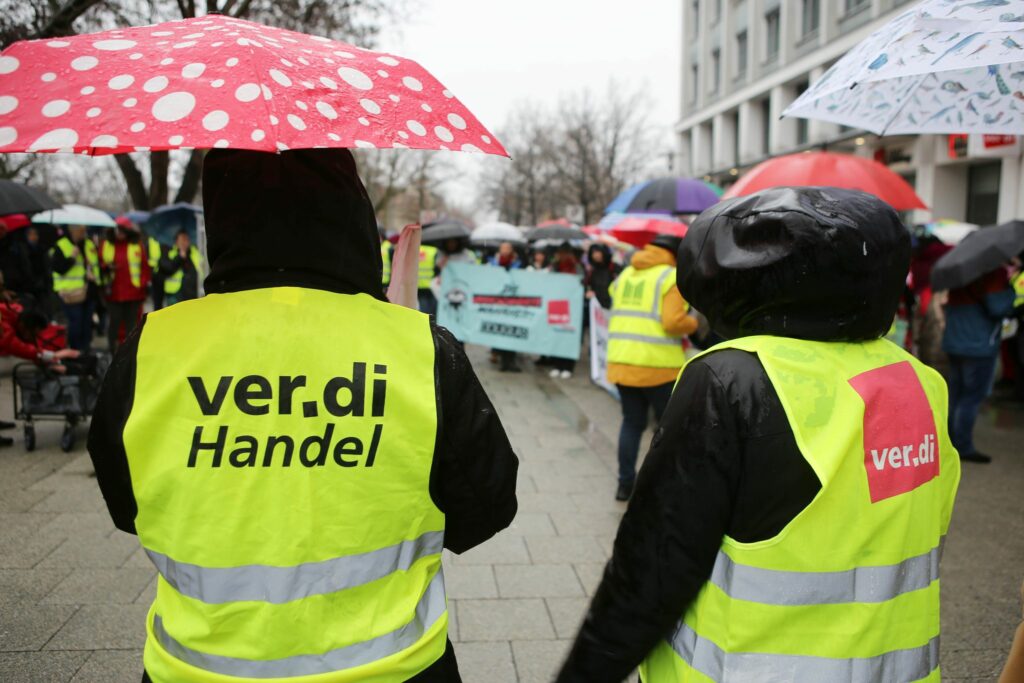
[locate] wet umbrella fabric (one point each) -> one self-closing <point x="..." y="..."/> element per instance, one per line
<point x="817" y="169"/>
<point x="217" y="81"/>
<point x="666" y="196"/>
<point x="559" y="233"/>
<point x="75" y="214"/>
<point x="439" y="231"/>
<point x="979" y="253"/>
<point x="641" y="231"/>
<point x="18" y="198"/>
<point x="493" y="234"/>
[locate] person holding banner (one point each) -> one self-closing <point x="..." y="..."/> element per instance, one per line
<point x="645" y="352"/>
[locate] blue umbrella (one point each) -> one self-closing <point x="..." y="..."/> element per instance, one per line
<point x="166" y="222"/>
<point x="665" y="196"/>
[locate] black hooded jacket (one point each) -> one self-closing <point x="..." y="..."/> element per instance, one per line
<point x="811" y="263"/>
<point x="303" y="219"/>
<point x="600" y="275"/>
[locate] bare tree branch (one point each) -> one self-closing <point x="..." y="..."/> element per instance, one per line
<point x="190" y="181"/>
<point x="134" y="181"/>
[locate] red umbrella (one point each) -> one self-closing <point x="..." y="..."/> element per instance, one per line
<point x="15" y="221"/>
<point x="829" y="169"/>
<point x="217" y="81"/>
<point x="639" y="231"/>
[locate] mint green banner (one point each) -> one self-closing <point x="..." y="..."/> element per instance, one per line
<point x="512" y="310"/>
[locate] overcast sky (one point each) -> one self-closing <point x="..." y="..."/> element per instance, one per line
<point x="494" y="54"/>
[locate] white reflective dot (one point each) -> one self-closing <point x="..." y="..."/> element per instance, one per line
<point x="120" y="82"/>
<point x="221" y="144"/>
<point x="48" y="76"/>
<point x="416" y="127"/>
<point x="155" y="84"/>
<point x="382" y="73"/>
<point x="280" y="77"/>
<point x="114" y="45"/>
<point x="457" y="121"/>
<point x="7" y="135"/>
<point x="232" y="61"/>
<point x="301" y="105"/>
<point x="364" y="144"/>
<point x="447" y="93"/>
<point x="426" y="107"/>
<point x="274" y="120"/>
<point x="471" y="148"/>
<point x="193" y="70"/>
<point x="363" y="120"/>
<point x="93" y="113"/>
<point x="304" y="61"/>
<point x="58" y="43"/>
<point x="281" y="146"/>
<point x="329" y="83"/>
<point x="402" y="134"/>
<point x="10" y="64"/>
<point x="78" y="63"/>
<point x="343" y="54"/>
<point x="443" y="134"/>
<point x="357" y="79"/>
<point x="215" y="120"/>
<point x="175" y="140"/>
<point x="103" y="141"/>
<point x="216" y="83"/>
<point x="247" y="92"/>
<point x="326" y="109"/>
<point x="412" y="83"/>
<point x="486" y="139"/>
<point x="135" y="55"/>
<point x="370" y="106"/>
<point x="8" y="103"/>
<point x="257" y="135"/>
<point x="296" y="122"/>
<point x="334" y="136"/>
<point x="56" y="108"/>
<point x="266" y="92"/>
<point x="286" y="62"/>
<point x="390" y="61"/>
<point x="187" y="43"/>
<point x="162" y="33"/>
<point x="394" y="98"/>
<point x="165" y="61"/>
<point x="137" y="127"/>
<point x="87" y="90"/>
<point x="174" y="106"/>
<point x="55" y="139"/>
<point x="130" y="102"/>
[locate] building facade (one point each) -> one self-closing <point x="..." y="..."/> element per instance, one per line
<point x="745" y="61"/>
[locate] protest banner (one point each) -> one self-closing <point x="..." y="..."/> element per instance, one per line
<point x="512" y="310"/>
<point x="599" y="347"/>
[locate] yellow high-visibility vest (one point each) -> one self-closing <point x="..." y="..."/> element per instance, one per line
<point x="428" y="259"/>
<point x="76" y="276"/>
<point x="635" y="333"/>
<point x="1018" y="287"/>
<point x="283" y="489"/>
<point x="134" y="260"/>
<point x="385" y="256"/>
<point x="153" y="252"/>
<point x="849" y="590"/>
<point x="172" y="283"/>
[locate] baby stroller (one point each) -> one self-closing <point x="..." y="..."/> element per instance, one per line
<point x="42" y="394"/>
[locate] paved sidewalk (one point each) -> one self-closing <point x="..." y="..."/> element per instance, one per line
<point x="74" y="591"/>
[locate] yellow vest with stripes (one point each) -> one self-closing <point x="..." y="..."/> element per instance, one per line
<point x="282" y="489"/>
<point x="385" y="256"/>
<point x="172" y="283"/>
<point x="134" y="260"/>
<point x="849" y="590"/>
<point x="635" y="333"/>
<point x="75" y="277"/>
<point x="153" y="251"/>
<point x="428" y="259"/>
<point x="1018" y="288"/>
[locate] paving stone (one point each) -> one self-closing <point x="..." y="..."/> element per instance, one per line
<point x="30" y="627"/>
<point x="41" y="667"/>
<point x="530" y="524"/>
<point x="513" y="619"/>
<point x="590" y="576"/>
<point x="106" y="666"/>
<point x="575" y="483"/>
<point x="82" y="498"/>
<point x="502" y="549"/>
<point x="89" y="551"/>
<point x="974" y="662"/>
<point x="148" y="594"/>
<point x="28" y="585"/>
<point x="564" y="549"/>
<point x="101" y="587"/>
<point x="19" y="500"/>
<point x="537" y="581"/>
<point x="586" y="523"/>
<point x="545" y="502"/>
<point x="73" y="524"/>
<point x="538" y="661"/>
<point x="490" y="662"/>
<point x="567" y="614"/>
<point x="102" y="627"/>
<point x="470" y="581"/>
<point x="25" y="549"/>
<point x="138" y="559"/>
<point x="453" y="619"/>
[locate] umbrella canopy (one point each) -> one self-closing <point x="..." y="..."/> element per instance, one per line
<point x="14" y="221"/>
<point x="949" y="232"/>
<point x="829" y="169"/>
<point x="556" y="233"/>
<point x="666" y="196"/>
<point x="76" y="214"/>
<point x="640" y="231"/>
<point x="177" y="206"/>
<point x="18" y="198"/>
<point x="939" y="67"/>
<point x="493" y="234"/>
<point x="440" y="231"/>
<point x="981" y="252"/>
<point x="218" y="81"/>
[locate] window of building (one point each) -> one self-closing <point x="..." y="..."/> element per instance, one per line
<point x="810" y="17"/>
<point x="735" y="139"/>
<point x="695" y="14"/>
<point x="741" y="53"/>
<point x="802" y="125"/>
<point x="716" y="69"/>
<point x="766" y="126"/>
<point x="694" y="82"/>
<point x="851" y="6"/>
<point x="771" y="26"/>
<point x="983" y="193"/>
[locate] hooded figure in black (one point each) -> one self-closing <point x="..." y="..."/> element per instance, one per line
<point x="787" y="262"/>
<point x="600" y="273"/>
<point x="303" y="219"/>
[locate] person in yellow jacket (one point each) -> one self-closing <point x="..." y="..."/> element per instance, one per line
<point x="182" y="268"/>
<point x="293" y="451"/>
<point x="788" y="520"/>
<point x="648" y="320"/>
<point x="76" y="278"/>
<point x="427" y="271"/>
<point x="154" y="252"/>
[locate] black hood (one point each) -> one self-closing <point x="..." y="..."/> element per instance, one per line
<point x="603" y="248"/>
<point x="815" y="263"/>
<point x="299" y="218"/>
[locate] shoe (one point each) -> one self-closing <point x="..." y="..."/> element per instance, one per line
<point x="976" y="457"/>
<point x="624" y="491"/>
<point x="565" y="374"/>
<point x="553" y="374"/>
<point x="4" y="424"/>
<point x="6" y="441"/>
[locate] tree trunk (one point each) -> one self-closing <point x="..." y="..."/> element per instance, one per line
<point x="193" y="174"/>
<point x="159" y="163"/>
<point x="133" y="179"/>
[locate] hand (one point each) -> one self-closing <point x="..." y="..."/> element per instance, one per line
<point x="182" y="252"/>
<point x="66" y="353"/>
<point x="590" y="294"/>
<point x="75" y="253"/>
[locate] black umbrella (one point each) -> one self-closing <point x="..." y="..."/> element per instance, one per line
<point x="558" y="233"/>
<point x="18" y="198"/>
<point x="981" y="252"/>
<point x="440" y="231"/>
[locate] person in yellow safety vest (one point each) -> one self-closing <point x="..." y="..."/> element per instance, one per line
<point x="425" y="277"/>
<point x="1017" y="342"/>
<point x="154" y="252"/>
<point x="789" y="517"/>
<point x="125" y="263"/>
<point x="182" y="267"/>
<point x="648" y="320"/>
<point x="385" y="257"/>
<point x="294" y="452"/>
<point x="76" y="274"/>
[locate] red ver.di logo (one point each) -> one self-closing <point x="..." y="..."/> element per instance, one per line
<point x="558" y="312"/>
<point x="900" y="452"/>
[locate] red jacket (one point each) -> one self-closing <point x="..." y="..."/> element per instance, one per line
<point x="10" y="343"/>
<point x="121" y="287"/>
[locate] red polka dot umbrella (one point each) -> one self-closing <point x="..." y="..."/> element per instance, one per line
<point x="216" y="81"/>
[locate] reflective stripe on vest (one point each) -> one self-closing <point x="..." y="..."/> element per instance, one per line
<point x="425" y="273"/>
<point x="283" y="489"/>
<point x="635" y="332"/>
<point x="214" y="585"/>
<point x="849" y="589"/>
<point x="173" y="282"/>
<point x="431" y="607"/>
<point x="109" y="254"/>
<point x="76" y="275"/>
